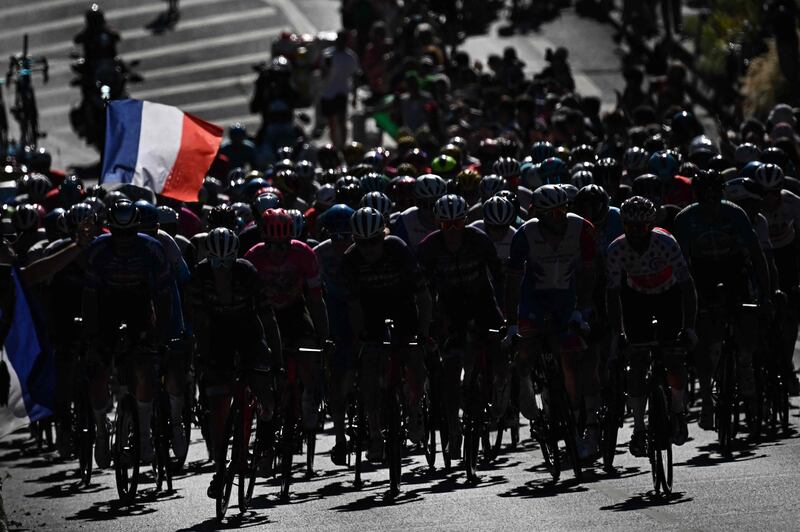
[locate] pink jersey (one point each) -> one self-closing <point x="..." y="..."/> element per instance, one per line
<point x="284" y="282"/>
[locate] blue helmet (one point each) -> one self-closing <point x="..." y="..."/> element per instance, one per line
<point x="663" y="164"/>
<point x="542" y="150"/>
<point x="148" y="215"/>
<point x="336" y="220"/>
<point x="749" y="170"/>
<point x="551" y="171"/>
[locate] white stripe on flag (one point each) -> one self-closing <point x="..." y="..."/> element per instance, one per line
<point x="159" y="144"/>
<point x="13" y="416"/>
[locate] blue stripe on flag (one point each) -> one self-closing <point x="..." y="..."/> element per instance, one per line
<point x="32" y="361"/>
<point x="123" y="126"/>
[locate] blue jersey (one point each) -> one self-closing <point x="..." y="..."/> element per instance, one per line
<point x="140" y="273"/>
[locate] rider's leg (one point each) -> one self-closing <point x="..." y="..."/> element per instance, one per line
<point x="637" y="372"/>
<point x="706" y="357"/>
<point x="589" y="383"/>
<point x="65" y="376"/>
<point x="372" y="381"/>
<point x="308" y="368"/>
<point x="529" y="350"/>
<point x="416" y="376"/>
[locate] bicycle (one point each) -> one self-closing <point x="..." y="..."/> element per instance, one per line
<point x="477" y="416"/>
<point x="772" y="393"/>
<point x="20" y="69"/>
<point x="612" y="412"/>
<point x="82" y="419"/>
<point x="433" y="410"/>
<point x="555" y="419"/>
<point x="241" y="445"/>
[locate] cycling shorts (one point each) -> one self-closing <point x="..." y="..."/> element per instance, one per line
<point x="294" y="322"/>
<point x="639" y="310"/>
<point x="232" y="347"/>
<point x="544" y="312"/>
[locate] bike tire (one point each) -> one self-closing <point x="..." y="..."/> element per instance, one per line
<point x="358" y="442"/>
<point x="547" y="437"/>
<point x="84" y="436"/>
<point x="161" y="437"/>
<point x="126" y="449"/>
<point x="311" y="447"/>
<point x="659" y="444"/>
<point x="429" y="443"/>
<point x="287" y="455"/>
<point x="725" y="398"/>
<point x="570" y="435"/>
<point x="249" y="446"/>
<point x="226" y="467"/>
<point x="394" y="444"/>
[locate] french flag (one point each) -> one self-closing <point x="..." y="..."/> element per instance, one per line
<point x="159" y="147"/>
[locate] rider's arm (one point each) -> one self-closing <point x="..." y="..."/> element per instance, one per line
<point x="757" y="258"/>
<point x="586" y="273"/>
<point x="614" y="270"/>
<point x="273" y="335"/>
<point x="689" y="298"/>
<point x="518" y="255"/>
<point x="313" y="285"/>
<point x="44" y="268"/>
<point x="425" y="311"/>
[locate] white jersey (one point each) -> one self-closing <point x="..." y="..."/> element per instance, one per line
<point x="410" y="228"/>
<point x="761" y="225"/>
<point x="784" y="221"/>
<point x="502" y="246"/>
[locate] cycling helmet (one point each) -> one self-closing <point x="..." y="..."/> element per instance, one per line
<point x="77" y="214"/>
<point x="38" y="187"/>
<point x="71" y="191"/>
<point x="299" y="223"/>
<point x="336" y="220"/>
<point x="304" y="171"/>
<point x="444" y="165"/>
<point x="551" y="171"/>
<point x="507" y="147"/>
<point x="148" y="215"/>
<point x="450" y="207"/>
<point x="286" y="181"/>
<point x="548" y="197"/>
<point x="571" y="190"/>
<point x="468" y="181"/>
<point x="349" y="195"/>
<point x="498" y="210"/>
<point x="374" y="182"/>
<point x="663" y="164"/>
<point x="38" y="159"/>
<point x="222" y="216"/>
<point x="649" y="186"/>
<point x="542" y="150"/>
<point x="769" y="176"/>
<point x="353" y="153"/>
<point x="285" y="152"/>
<point x="635" y="160"/>
<point x="55" y="223"/>
<point x="684" y="126"/>
<point x="719" y="163"/>
<point x="592" y="203"/>
<point x="328" y="157"/>
<point x="511" y="196"/>
<point x="280" y="65"/>
<point x="453" y="151"/>
<point x="264" y="202"/>
<point x="367" y="223"/>
<point x="325" y="196"/>
<point x="122" y="216"/>
<point x="746" y="153"/>
<point x="743" y="189"/>
<point x="277" y="225"/>
<point x="375" y="159"/>
<point x="167" y="216"/>
<point x="491" y="185"/>
<point x="506" y="167"/>
<point x="26" y="217"/>
<point x="429" y="187"/>
<point x="213" y="187"/>
<point x="243" y="212"/>
<point x="638" y="210"/>
<point x="378" y="201"/>
<point x="401" y="191"/>
<point x="775" y="155"/>
<point x="688" y="169"/>
<point x="582" y="154"/>
<point x="582" y="178"/>
<point x="654" y="144"/>
<point x="707" y="185"/>
<point x="222" y="243"/>
<point x="701" y="149"/>
<point x="749" y="170"/>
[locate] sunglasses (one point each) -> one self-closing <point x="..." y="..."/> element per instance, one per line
<point x="369" y="242"/>
<point x="217" y="262"/>
<point x="277" y="245"/>
<point x="341" y="237"/>
<point x="452" y="224"/>
<point x="636" y="227"/>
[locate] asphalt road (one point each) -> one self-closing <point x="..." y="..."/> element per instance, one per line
<point x="756" y="489"/>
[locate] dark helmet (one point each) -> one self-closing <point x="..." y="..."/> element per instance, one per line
<point x="77" y="214"/>
<point x="649" y="186"/>
<point x="27" y="217"/>
<point x="148" y="215"/>
<point x="95" y="16"/>
<point x="607" y="170"/>
<point x="592" y="203"/>
<point x="280" y="65"/>
<point x="54" y="223"/>
<point x="71" y="191"/>
<point x="123" y="216"/>
<point x="337" y="219"/>
<point x="222" y="216"/>
<point x="708" y="186"/>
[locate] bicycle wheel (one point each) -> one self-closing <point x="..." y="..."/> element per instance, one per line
<point x="471" y="437"/>
<point x="126" y="449"/>
<point x="248" y="453"/>
<point x="545" y="430"/>
<point x="429" y="443"/>
<point x="311" y="447"/>
<point x="659" y="444"/>
<point x="357" y="438"/>
<point x="186" y="419"/>
<point x="84" y="435"/>
<point x="228" y="460"/>
<point x="611" y="418"/>
<point x="570" y="435"/>
<point x="161" y="439"/>
<point x="725" y="397"/>
<point x="393" y="442"/>
<point x="287" y="454"/>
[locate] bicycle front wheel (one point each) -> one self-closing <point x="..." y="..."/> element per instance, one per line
<point x="228" y="460"/>
<point x="248" y="452"/>
<point x="659" y="444"/>
<point x="126" y="449"/>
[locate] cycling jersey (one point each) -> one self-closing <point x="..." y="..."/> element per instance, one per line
<point x="385" y="289"/>
<point x="761" y="226"/>
<point x="249" y="236"/>
<point x="549" y="267"/>
<point x="335" y="284"/>
<point x="330" y="265"/>
<point x="660" y="267"/>
<point x="678" y="191"/>
<point x="610" y="230"/>
<point x="784" y="221"/>
<point x="409" y="228"/>
<point x="284" y="282"/>
<point x="64" y="293"/>
<point x="461" y="278"/>
<point x="502" y="246"/>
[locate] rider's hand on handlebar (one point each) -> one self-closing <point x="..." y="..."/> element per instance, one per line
<point x="511" y="332"/>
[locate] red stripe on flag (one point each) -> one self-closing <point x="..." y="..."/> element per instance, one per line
<point x="199" y="144"/>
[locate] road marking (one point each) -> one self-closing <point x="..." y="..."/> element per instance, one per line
<point x="221" y="103"/>
<point x="141" y="33"/>
<point x="112" y="15"/>
<point x="191" y="46"/>
<point x="299" y="21"/>
<point x="39" y="6"/>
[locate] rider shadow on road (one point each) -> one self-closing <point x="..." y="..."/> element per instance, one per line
<point x="545" y="487"/>
<point x="67" y="489"/>
<point x="646" y="500"/>
<point x="248" y="519"/>
<point x="115" y="509"/>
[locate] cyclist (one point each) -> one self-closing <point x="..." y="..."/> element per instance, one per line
<point x="127" y="281"/>
<point x="384" y="282"/>
<point x="551" y="277"/>
<point x="335" y="223"/>
<point x="657" y="285"/>
<point x="417" y="222"/>
<point x="498" y="215"/>
<point x="721" y="247"/>
<point x="782" y="210"/>
<point x="292" y="286"/>
<point x="231" y="317"/>
<point x="463" y="271"/>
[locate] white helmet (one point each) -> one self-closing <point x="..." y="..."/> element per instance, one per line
<point x="222" y="243"/>
<point x="366" y="223"/>
<point x="450" y="207"/>
<point x="378" y="201"/>
<point x="497" y="210"/>
<point x="548" y="197"/>
<point x="769" y="176"/>
<point x="430" y="187"/>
